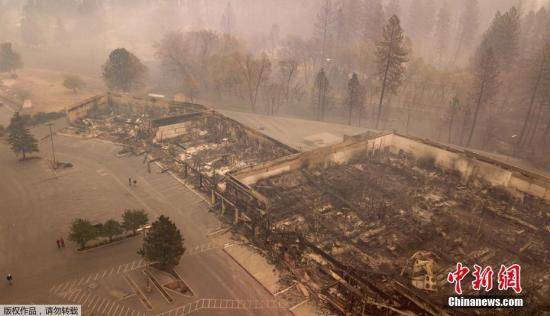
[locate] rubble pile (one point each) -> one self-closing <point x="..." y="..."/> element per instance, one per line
<point x="392" y="219"/>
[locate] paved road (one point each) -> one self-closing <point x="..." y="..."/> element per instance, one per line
<point x="38" y="206"/>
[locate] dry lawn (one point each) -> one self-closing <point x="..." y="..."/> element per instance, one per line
<point x="47" y="91"/>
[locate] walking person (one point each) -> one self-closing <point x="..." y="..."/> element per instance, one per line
<point x="130" y="181"/>
<point x="135" y="182"/>
<point x="62" y="242"/>
<point x="58" y="243"/>
<point x="9" y="278"/>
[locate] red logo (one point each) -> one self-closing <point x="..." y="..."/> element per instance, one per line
<point x="508" y="278"/>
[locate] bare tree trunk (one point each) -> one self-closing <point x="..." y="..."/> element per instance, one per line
<point x="382" y="92"/>
<point x="476" y="113"/>
<point x="531" y="102"/>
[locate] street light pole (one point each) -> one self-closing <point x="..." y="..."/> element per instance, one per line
<point x="53" y="150"/>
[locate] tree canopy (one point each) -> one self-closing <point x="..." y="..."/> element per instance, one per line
<point x="20" y="138"/>
<point x="163" y="243"/>
<point x="123" y="71"/>
<point x="82" y="231"/>
<point x="10" y="60"/>
<point x="134" y="219"/>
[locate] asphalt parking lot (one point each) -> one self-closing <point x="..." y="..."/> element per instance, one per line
<point x="38" y="205"/>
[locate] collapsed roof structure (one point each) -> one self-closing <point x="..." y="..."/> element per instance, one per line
<point x="373" y="224"/>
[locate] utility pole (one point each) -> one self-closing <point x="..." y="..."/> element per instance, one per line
<point x="53" y="151"/>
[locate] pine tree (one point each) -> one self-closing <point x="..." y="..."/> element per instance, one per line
<point x="123" y="71"/>
<point x="485" y="87"/>
<point x="355" y="96"/>
<point x="163" y="243"/>
<point x="503" y="37"/>
<point x="321" y="94"/>
<point x="392" y="55"/>
<point x="20" y="138"/>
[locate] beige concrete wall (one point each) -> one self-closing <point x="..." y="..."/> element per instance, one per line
<point x="81" y="110"/>
<point x="494" y="172"/>
<point x="335" y="154"/>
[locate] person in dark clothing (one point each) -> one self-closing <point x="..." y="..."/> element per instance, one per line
<point x="135" y="182"/>
<point x="9" y="278"/>
<point x="62" y="242"/>
<point x="58" y="243"/>
<point x="130" y="181"/>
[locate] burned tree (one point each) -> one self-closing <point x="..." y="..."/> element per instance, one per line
<point x="485" y="86"/>
<point x="539" y="95"/>
<point x="392" y="55"/>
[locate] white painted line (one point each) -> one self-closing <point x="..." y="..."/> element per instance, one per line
<point x="63" y="289"/>
<point x="54" y="288"/>
<point x="101" y="304"/>
<point x="92" y="302"/>
<point x="112" y="305"/>
<point x="80" y="296"/>
<point x="89" y="279"/>
<point x="116" y="310"/>
<point x="86" y="299"/>
<point x="95" y="277"/>
<point x="73" y="293"/>
<point x="104" y="273"/>
<point x="127" y="310"/>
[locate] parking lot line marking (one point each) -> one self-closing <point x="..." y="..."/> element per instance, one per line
<point x="127" y="310"/>
<point x="110" y="308"/>
<point x="102" y="301"/>
<point x="88" y="279"/>
<point x="95" y="277"/>
<point x="92" y="302"/>
<point x="55" y="288"/>
<point x="115" y="311"/>
<point x="71" y="295"/>
<point x="86" y="299"/>
<point x="79" y="296"/>
<point x="64" y="288"/>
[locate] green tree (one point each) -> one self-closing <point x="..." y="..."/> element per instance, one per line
<point x="123" y="71"/>
<point x="20" y="138"/>
<point x="74" y="83"/>
<point x="503" y="37"/>
<point x="110" y="229"/>
<point x="485" y="87"/>
<point x="392" y="55"/>
<point x="134" y="219"/>
<point x="163" y="243"/>
<point x="355" y="96"/>
<point x="10" y="60"/>
<point x="82" y="231"/>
